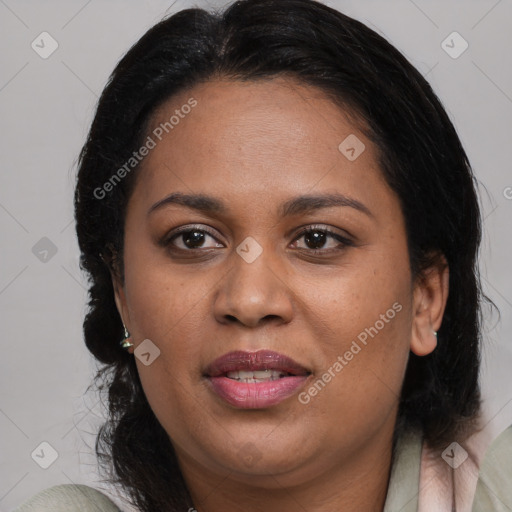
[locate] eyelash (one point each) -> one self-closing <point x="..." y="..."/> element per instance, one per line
<point x="310" y="229"/>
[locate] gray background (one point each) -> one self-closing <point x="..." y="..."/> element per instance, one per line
<point x="46" y="106"/>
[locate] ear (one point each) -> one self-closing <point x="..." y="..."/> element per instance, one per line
<point x="429" y="302"/>
<point x="120" y="298"/>
<point x="112" y="263"/>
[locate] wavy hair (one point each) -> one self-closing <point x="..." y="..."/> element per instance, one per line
<point x="421" y="158"/>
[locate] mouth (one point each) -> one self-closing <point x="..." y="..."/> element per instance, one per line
<point x="255" y="380"/>
<point x="264" y="365"/>
<point x="253" y="376"/>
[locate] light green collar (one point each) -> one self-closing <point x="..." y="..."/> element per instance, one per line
<point x="405" y="475"/>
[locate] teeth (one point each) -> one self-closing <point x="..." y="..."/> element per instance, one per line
<point x="256" y="375"/>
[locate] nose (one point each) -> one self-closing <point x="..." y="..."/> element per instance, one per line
<point x="254" y="293"/>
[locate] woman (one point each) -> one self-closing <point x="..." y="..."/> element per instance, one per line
<point x="281" y="225"/>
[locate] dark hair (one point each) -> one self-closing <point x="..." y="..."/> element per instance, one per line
<point x="421" y="158"/>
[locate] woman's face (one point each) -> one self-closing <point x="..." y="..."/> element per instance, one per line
<point x="342" y="305"/>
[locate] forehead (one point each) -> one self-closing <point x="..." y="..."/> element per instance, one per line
<point x="257" y="140"/>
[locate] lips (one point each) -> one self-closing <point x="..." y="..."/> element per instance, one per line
<point x="254" y="361"/>
<point x="255" y="380"/>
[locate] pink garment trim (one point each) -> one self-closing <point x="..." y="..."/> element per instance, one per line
<point x="448" y="480"/>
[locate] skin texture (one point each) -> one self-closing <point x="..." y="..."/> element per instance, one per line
<point x="255" y="145"/>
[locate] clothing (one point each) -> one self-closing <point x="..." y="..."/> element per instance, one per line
<point x="420" y="484"/>
<point x="493" y="490"/>
<point x="68" y="498"/>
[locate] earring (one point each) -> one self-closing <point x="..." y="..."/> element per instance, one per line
<point x="125" y="342"/>
<point x="435" y="333"/>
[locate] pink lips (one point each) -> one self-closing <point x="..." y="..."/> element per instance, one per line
<point x="257" y="395"/>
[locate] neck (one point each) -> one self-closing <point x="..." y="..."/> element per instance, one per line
<point x="331" y="483"/>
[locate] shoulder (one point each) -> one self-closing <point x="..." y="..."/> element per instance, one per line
<point x="494" y="487"/>
<point x="68" y="498"/>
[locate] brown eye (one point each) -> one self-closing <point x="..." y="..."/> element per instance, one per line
<point x="191" y="238"/>
<point x="316" y="238"/>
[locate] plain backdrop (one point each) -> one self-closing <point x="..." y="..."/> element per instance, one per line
<point x="46" y="106"/>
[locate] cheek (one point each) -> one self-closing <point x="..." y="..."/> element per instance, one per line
<point x="164" y="299"/>
<point x="354" y="297"/>
<point x="170" y="311"/>
<point x="363" y="314"/>
<point x="365" y="355"/>
<point x="169" y="308"/>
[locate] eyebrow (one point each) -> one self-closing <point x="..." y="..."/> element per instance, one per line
<point x="295" y="206"/>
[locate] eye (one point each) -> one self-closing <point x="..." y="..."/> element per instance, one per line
<point x="190" y="238"/>
<point x="316" y="237"/>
